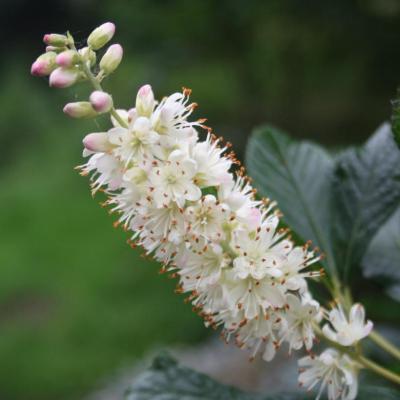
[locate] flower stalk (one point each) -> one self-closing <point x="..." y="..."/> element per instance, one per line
<point x="178" y="197"/>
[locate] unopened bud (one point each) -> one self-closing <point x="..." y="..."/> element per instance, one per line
<point x="145" y="101"/>
<point x="111" y="59"/>
<point x="97" y="142"/>
<point x="55" y="39"/>
<point x="55" y="49"/>
<point x="101" y="35"/>
<point x="44" y="65"/>
<point x="63" y="77"/>
<point x="67" y="58"/>
<point x="79" y="109"/>
<point x="101" y="101"/>
<point x="88" y="55"/>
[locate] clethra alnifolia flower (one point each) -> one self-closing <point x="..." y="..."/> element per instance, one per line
<point x="178" y="192"/>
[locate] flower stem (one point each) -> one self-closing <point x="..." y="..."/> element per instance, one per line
<point x="96" y="85"/>
<point x="385" y="344"/>
<point x="391" y="376"/>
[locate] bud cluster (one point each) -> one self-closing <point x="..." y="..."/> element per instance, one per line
<point x="65" y="65"/>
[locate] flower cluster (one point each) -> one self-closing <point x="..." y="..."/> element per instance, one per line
<point x="184" y="206"/>
<point x="187" y="203"/>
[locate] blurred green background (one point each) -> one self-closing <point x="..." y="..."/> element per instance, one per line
<point x="76" y="303"/>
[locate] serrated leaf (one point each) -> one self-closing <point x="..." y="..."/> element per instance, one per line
<point x="382" y="258"/>
<point x="366" y="193"/>
<point x="298" y="176"/>
<point x="167" y="380"/>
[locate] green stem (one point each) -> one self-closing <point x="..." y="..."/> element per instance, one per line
<point x="96" y="84"/>
<point x="371" y="365"/>
<point x="385" y="344"/>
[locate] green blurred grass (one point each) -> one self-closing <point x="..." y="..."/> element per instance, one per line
<point x="76" y="302"/>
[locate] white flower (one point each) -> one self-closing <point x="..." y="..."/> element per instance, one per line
<point x="201" y="270"/>
<point x="347" y="331"/>
<point x="336" y="372"/>
<point x="134" y="143"/>
<point x="259" y="335"/>
<point x="173" y="181"/>
<point x="170" y="116"/>
<point x="212" y="167"/>
<point x="254" y="296"/>
<point x="206" y="218"/>
<point x="259" y="254"/>
<point x="238" y="196"/>
<point x="300" y="314"/>
<point x="294" y="276"/>
<point x="106" y="171"/>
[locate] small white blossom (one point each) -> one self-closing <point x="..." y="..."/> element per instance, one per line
<point x="300" y="315"/>
<point x="333" y="371"/>
<point x="347" y="331"/>
<point x="173" y="181"/>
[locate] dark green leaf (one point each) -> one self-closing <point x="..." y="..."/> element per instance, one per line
<point x="298" y="176"/>
<point x="378" y="393"/>
<point x="382" y="258"/>
<point x="167" y="380"/>
<point x="366" y="193"/>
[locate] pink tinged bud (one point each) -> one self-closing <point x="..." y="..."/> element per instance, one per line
<point x="111" y="59"/>
<point x="55" y="39"/>
<point x="67" y="58"/>
<point x="101" y="101"/>
<point x="145" y="101"/>
<point x="79" y="109"/>
<point x="55" y="49"/>
<point x="63" y="77"/>
<point x="101" y="36"/>
<point x="44" y="64"/>
<point x="97" y="142"/>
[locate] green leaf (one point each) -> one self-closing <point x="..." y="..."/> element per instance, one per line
<point x="167" y="380"/>
<point x="377" y="392"/>
<point x="366" y="193"/>
<point x="396" y="119"/>
<point x="382" y="258"/>
<point x="298" y="176"/>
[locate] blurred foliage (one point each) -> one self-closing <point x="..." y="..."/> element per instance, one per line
<point x="75" y="301"/>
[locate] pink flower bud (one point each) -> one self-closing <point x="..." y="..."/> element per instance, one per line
<point x="101" y="101"/>
<point x="97" y="142"/>
<point x="63" y="77"/>
<point x="101" y="36"/>
<point x="55" y="39"/>
<point x="145" y="101"/>
<point x="111" y="59"/>
<point x="67" y="58"/>
<point x="79" y="109"/>
<point x="44" y="64"/>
